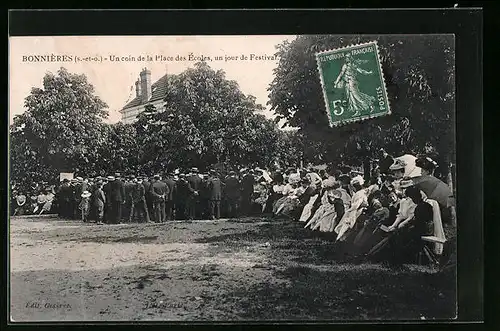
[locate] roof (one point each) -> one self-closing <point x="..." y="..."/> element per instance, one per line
<point x="158" y="91"/>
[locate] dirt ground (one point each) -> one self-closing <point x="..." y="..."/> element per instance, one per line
<point x="226" y="270"/>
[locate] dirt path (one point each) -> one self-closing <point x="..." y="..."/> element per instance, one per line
<point x="225" y="270"/>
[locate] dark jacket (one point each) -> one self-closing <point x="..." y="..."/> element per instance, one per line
<point x="171" y="188"/>
<point x="129" y="187"/>
<point x="159" y="190"/>
<point x="232" y="188"/>
<point x="138" y="193"/>
<point x="247" y="184"/>
<point x="106" y="188"/>
<point x="183" y="190"/>
<point x="214" y="189"/>
<point x="116" y="191"/>
<point x="195" y="182"/>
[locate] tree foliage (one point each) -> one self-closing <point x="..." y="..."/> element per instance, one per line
<point x="60" y="129"/>
<point x="206" y="120"/>
<point x="419" y="74"/>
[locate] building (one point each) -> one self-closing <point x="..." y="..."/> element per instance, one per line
<point x="145" y="94"/>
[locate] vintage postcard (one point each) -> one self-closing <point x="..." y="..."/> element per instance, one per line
<point x="232" y="178"/>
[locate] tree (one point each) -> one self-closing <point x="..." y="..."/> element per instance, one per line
<point x="206" y="120"/>
<point x="60" y="129"/>
<point x="419" y="73"/>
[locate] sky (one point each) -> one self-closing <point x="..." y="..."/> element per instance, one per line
<point x="113" y="80"/>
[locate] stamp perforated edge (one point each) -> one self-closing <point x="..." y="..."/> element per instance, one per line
<point x="325" y="99"/>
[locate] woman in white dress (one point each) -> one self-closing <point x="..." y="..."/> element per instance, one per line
<point x="358" y="203"/>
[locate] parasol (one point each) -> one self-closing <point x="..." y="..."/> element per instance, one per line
<point x="434" y="189"/>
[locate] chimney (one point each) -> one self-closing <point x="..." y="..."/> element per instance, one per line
<point x="145" y="85"/>
<point x="138" y="88"/>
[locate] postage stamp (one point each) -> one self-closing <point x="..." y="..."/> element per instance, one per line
<point x="353" y="83"/>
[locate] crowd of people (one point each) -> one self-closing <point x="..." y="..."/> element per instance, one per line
<point x="35" y="200"/>
<point x="399" y="213"/>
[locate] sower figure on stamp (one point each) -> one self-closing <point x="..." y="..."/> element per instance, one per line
<point x="356" y="100"/>
<point x="159" y="191"/>
<point x="139" y="207"/>
<point x="215" y="194"/>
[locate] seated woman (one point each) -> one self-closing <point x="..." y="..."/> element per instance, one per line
<point x="405" y="240"/>
<point x="370" y="234"/>
<point x="261" y="194"/>
<point x="20" y="200"/>
<point x="289" y="202"/>
<point x="330" y="210"/>
<point x="49" y="198"/>
<point x="308" y="199"/>
<point x="276" y="192"/>
<point x="286" y="190"/>
<point x="358" y="203"/>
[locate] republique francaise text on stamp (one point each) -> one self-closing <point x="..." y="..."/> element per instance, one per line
<point x="353" y="83"/>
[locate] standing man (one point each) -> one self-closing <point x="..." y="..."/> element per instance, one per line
<point x="117" y="197"/>
<point x="63" y="199"/>
<point x="146" y="182"/>
<point x="247" y="186"/>
<point x="169" y="203"/>
<point x="193" y="201"/>
<point x="99" y="202"/>
<point x="232" y="194"/>
<point x="159" y="192"/>
<point x="106" y="188"/>
<point x="215" y="194"/>
<point x="139" y="207"/>
<point x="127" y="207"/>
<point x="183" y="194"/>
<point x="77" y="196"/>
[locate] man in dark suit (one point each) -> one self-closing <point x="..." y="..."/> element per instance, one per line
<point x="214" y="194"/>
<point x="183" y="193"/>
<point x="146" y="182"/>
<point x="117" y="197"/>
<point x="106" y="188"/>
<point x="139" y="207"/>
<point x="247" y="186"/>
<point x="193" y="201"/>
<point x="127" y="207"/>
<point x="169" y="203"/>
<point x="232" y="194"/>
<point x="159" y="192"/>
